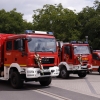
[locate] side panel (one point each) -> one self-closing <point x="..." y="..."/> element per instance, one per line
<point x="3" y="38"/>
<point x="1" y="51"/>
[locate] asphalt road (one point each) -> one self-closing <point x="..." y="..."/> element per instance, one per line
<point x="73" y="88"/>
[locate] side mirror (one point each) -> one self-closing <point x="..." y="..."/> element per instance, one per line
<point x="98" y="58"/>
<point x="91" y="49"/>
<point x="28" y="39"/>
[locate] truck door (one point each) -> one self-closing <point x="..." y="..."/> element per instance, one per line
<point x="68" y="54"/>
<point x="19" y="54"/>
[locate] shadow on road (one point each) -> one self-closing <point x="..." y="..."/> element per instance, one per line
<point x="93" y="73"/>
<point x="70" y="78"/>
<point x="5" y="86"/>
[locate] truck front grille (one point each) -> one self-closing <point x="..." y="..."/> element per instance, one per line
<point x="47" y="60"/>
<point x="45" y="73"/>
<point x="84" y="63"/>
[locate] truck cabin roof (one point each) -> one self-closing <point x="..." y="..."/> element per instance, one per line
<point x="30" y="35"/>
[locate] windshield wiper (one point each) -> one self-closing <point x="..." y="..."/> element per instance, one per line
<point x="39" y="51"/>
<point x="50" y="51"/>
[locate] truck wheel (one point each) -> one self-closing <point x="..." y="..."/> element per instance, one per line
<point x="64" y="73"/>
<point x="82" y="75"/>
<point x="45" y="81"/>
<point x="15" y="80"/>
<point x="99" y="69"/>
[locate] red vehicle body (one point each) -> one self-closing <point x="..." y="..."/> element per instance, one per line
<point x="74" y="57"/>
<point x="96" y="61"/>
<point x="21" y="60"/>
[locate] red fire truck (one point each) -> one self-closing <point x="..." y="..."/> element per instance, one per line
<point x="96" y="61"/>
<point x="27" y="57"/>
<point x="74" y="57"/>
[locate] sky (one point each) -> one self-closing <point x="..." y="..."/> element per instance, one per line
<point x="26" y="7"/>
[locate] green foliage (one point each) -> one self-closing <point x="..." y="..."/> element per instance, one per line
<point x="66" y="24"/>
<point x="12" y="22"/>
<point x="28" y="25"/>
<point x="89" y="18"/>
<point x="62" y="21"/>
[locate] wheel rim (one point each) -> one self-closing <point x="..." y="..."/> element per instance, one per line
<point x="63" y="73"/>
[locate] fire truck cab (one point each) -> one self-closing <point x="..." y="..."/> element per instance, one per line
<point x="27" y="57"/>
<point x="96" y="61"/>
<point x="74" y="57"/>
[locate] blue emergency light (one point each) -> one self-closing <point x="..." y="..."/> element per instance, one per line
<point x="28" y="31"/>
<point x="96" y="50"/>
<point x="80" y="42"/>
<point x="73" y="42"/>
<point x="38" y="32"/>
<point x="86" y="42"/>
<point x="50" y="33"/>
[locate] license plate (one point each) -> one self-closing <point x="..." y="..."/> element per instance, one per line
<point x="83" y="66"/>
<point x="46" y="70"/>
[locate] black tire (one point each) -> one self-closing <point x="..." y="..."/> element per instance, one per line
<point x="15" y="80"/>
<point x="45" y="81"/>
<point x="99" y="69"/>
<point x="64" y="73"/>
<point x="89" y="72"/>
<point x="82" y="74"/>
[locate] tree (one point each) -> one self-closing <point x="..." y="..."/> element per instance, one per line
<point x="62" y="21"/>
<point x="89" y="18"/>
<point x="11" y="22"/>
<point x="28" y="25"/>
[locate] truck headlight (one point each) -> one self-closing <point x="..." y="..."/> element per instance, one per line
<point x="30" y="71"/>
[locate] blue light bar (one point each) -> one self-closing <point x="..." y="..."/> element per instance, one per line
<point x="86" y="42"/>
<point x="80" y="42"/>
<point x="38" y="32"/>
<point x="73" y="42"/>
<point x="96" y="50"/>
<point x="28" y="31"/>
<point x="50" y="33"/>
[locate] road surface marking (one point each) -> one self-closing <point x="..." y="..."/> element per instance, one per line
<point x="55" y="96"/>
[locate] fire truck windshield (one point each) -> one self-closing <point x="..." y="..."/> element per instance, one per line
<point x="81" y="50"/>
<point x="42" y="45"/>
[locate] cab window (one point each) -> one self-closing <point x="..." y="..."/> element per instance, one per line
<point x="9" y="45"/>
<point x="17" y="44"/>
<point x="95" y="56"/>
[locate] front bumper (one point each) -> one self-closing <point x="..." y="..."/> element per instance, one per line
<point x="37" y="73"/>
<point x="78" y="67"/>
